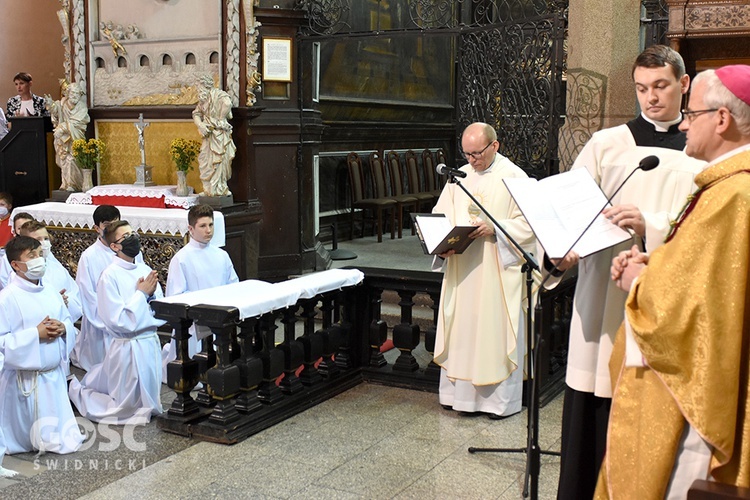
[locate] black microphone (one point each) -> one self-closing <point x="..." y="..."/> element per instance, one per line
<point x="646" y="164"/>
<point x="442" y="169"/>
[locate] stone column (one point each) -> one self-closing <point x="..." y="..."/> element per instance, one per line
<point x="603" y="41"/>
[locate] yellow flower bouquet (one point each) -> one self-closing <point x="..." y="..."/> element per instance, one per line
<point x="184" y="152"/>
<point x="88" y="153"/>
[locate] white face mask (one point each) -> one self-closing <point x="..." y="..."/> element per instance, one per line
<point x="46" y="248"/>
<point x="35" y="268"/>
<point x="3" y="212"/>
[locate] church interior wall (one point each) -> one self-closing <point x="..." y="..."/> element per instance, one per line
<point x="30" y="42"/>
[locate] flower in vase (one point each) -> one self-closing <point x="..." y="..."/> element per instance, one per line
<point x="88" y="153"/>
<point x="184" y="152"/>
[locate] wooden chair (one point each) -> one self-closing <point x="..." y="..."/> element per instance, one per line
<point x="395" y="193"/>
<point x="415" y="184"/>
<point x="360" y="200"/>
<point x="432" y="179"/>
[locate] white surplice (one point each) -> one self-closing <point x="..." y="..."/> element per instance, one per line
<point x="93" y="339"/>
<point x="197" y="266"/>
<point x="5" y="269"/>
<point x="479" y="343"/>
<point x="598" y="305"/>
<point x="58" y="278"/>
<point x="32" y="382"/>
<point x="124" y="387"/>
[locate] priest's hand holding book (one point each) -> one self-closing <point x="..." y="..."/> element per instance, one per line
<point x="626" y="217"/>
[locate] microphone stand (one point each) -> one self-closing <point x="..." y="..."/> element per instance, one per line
<point x="532" y="451"/>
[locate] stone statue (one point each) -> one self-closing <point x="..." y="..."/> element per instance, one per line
<point x="211" y="116"/>
<point x="70" y="118"/>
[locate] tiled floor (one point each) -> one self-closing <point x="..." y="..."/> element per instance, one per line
<point x="369" y="442"/>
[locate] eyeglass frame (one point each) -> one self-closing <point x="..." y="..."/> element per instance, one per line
<point x="126" y="236"/>
<point x="691" y="115"/>
<point x="476" y="155"/>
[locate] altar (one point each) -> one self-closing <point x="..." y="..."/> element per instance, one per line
<point x="134" y="196"/>
<point x="162" y="231"/>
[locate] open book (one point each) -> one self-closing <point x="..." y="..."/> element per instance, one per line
<point x="559" y="208"/>
<point x="438" y="235"/>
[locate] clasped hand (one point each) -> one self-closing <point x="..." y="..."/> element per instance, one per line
<point x="50" y="329"/>
<point x="626" y="267"/>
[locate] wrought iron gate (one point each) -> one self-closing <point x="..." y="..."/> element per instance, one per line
<point x="510" y="62"/>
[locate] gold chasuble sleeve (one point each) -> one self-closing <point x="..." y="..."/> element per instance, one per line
<point x="690" y="315"/>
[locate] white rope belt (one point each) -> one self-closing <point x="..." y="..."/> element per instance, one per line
<point x="33" y="390"/>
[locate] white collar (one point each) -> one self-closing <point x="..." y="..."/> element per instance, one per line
<point x="124" y="263"/>
<point x="663" y="126"/>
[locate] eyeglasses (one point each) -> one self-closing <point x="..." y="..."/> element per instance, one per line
<point x="478" y="154"/>
<point x="126" y="236"/>
<point x="692" y="115"/>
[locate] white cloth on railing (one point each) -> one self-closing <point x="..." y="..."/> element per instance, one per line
<point x="253" y="297"/>
<point x="168" y="192"/>
<point x="156" y="220"/>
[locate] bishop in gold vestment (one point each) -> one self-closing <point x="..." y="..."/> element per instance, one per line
<point x="689" y="314"/>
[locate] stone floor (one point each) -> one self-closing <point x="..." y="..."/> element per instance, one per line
<point x="369" y="442"/>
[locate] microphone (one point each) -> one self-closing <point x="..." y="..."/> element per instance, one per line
<point x="646" y="164"/>
<point x="442" y="169"/>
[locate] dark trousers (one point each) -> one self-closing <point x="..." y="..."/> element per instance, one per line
<point x="584" y="441"/>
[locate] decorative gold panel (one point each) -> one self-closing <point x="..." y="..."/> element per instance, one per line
<point x="158" y="249"/>
<point x="123" y="154"/>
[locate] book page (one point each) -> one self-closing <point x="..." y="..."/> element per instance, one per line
<point x="560" y="207"/>
<point x="433" y="229"/>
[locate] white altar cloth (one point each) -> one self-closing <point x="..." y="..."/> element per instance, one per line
<point x="168" y="221"/>
<point x="169" y="193"/>
<point x="254" y="298"/>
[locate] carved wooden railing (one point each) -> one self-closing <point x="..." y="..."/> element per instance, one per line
<point x="260" y="370"/>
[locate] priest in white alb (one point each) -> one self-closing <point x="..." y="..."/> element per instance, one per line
<point x="480" y="333"/>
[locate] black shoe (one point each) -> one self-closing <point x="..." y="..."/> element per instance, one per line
<point x="469" y="413"/>
<point x="493" y="416"/>
<point x="447" y="407"/>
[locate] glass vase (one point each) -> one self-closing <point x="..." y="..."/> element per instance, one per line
<point x="87" y="179"/>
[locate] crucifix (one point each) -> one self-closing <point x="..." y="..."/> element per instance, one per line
<point x="141" y="126"/>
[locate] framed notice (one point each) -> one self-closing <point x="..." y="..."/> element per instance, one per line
<point x="277" y="59"/>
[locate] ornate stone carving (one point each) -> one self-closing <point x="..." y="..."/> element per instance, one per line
<point x="79" y="43"/>
<point x="713" y="17"/>
<point x="251" y="47"/>
<point x="585" y="112"/>
<point x="233" y="51"/>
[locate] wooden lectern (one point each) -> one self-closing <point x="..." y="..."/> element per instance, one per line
<point x="25" y="171"/>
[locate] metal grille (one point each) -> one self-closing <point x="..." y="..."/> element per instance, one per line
<point x="510" y="76"/>
<point x="655" y="22"/>
<point x="510" y="62"/>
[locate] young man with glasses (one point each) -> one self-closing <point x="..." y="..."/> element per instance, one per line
<point x="681" y="409"/>
<point x="645" y="206"/>
<point x="480" y="341"/>
<point x="124" y="387"/>
<point x="93" y="339"/>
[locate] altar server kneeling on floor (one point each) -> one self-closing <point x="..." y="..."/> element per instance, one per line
<point x="36" y="337"/>
<point x="124" y="388"/>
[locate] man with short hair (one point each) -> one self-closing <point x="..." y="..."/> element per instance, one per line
<point x="93" y="339"/>
<point x="480" y="333"/>
<point x="56" y="276"/>
<point x="36" y="337"/>
<point x="124" y="387"/>
<point x="681" y="407"/>
<point x="644" y="206"/>
<point x="5" y="270"/>
<point x="197" y="266"/>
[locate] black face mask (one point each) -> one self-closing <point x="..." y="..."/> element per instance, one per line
<point x="131" y="245"/>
